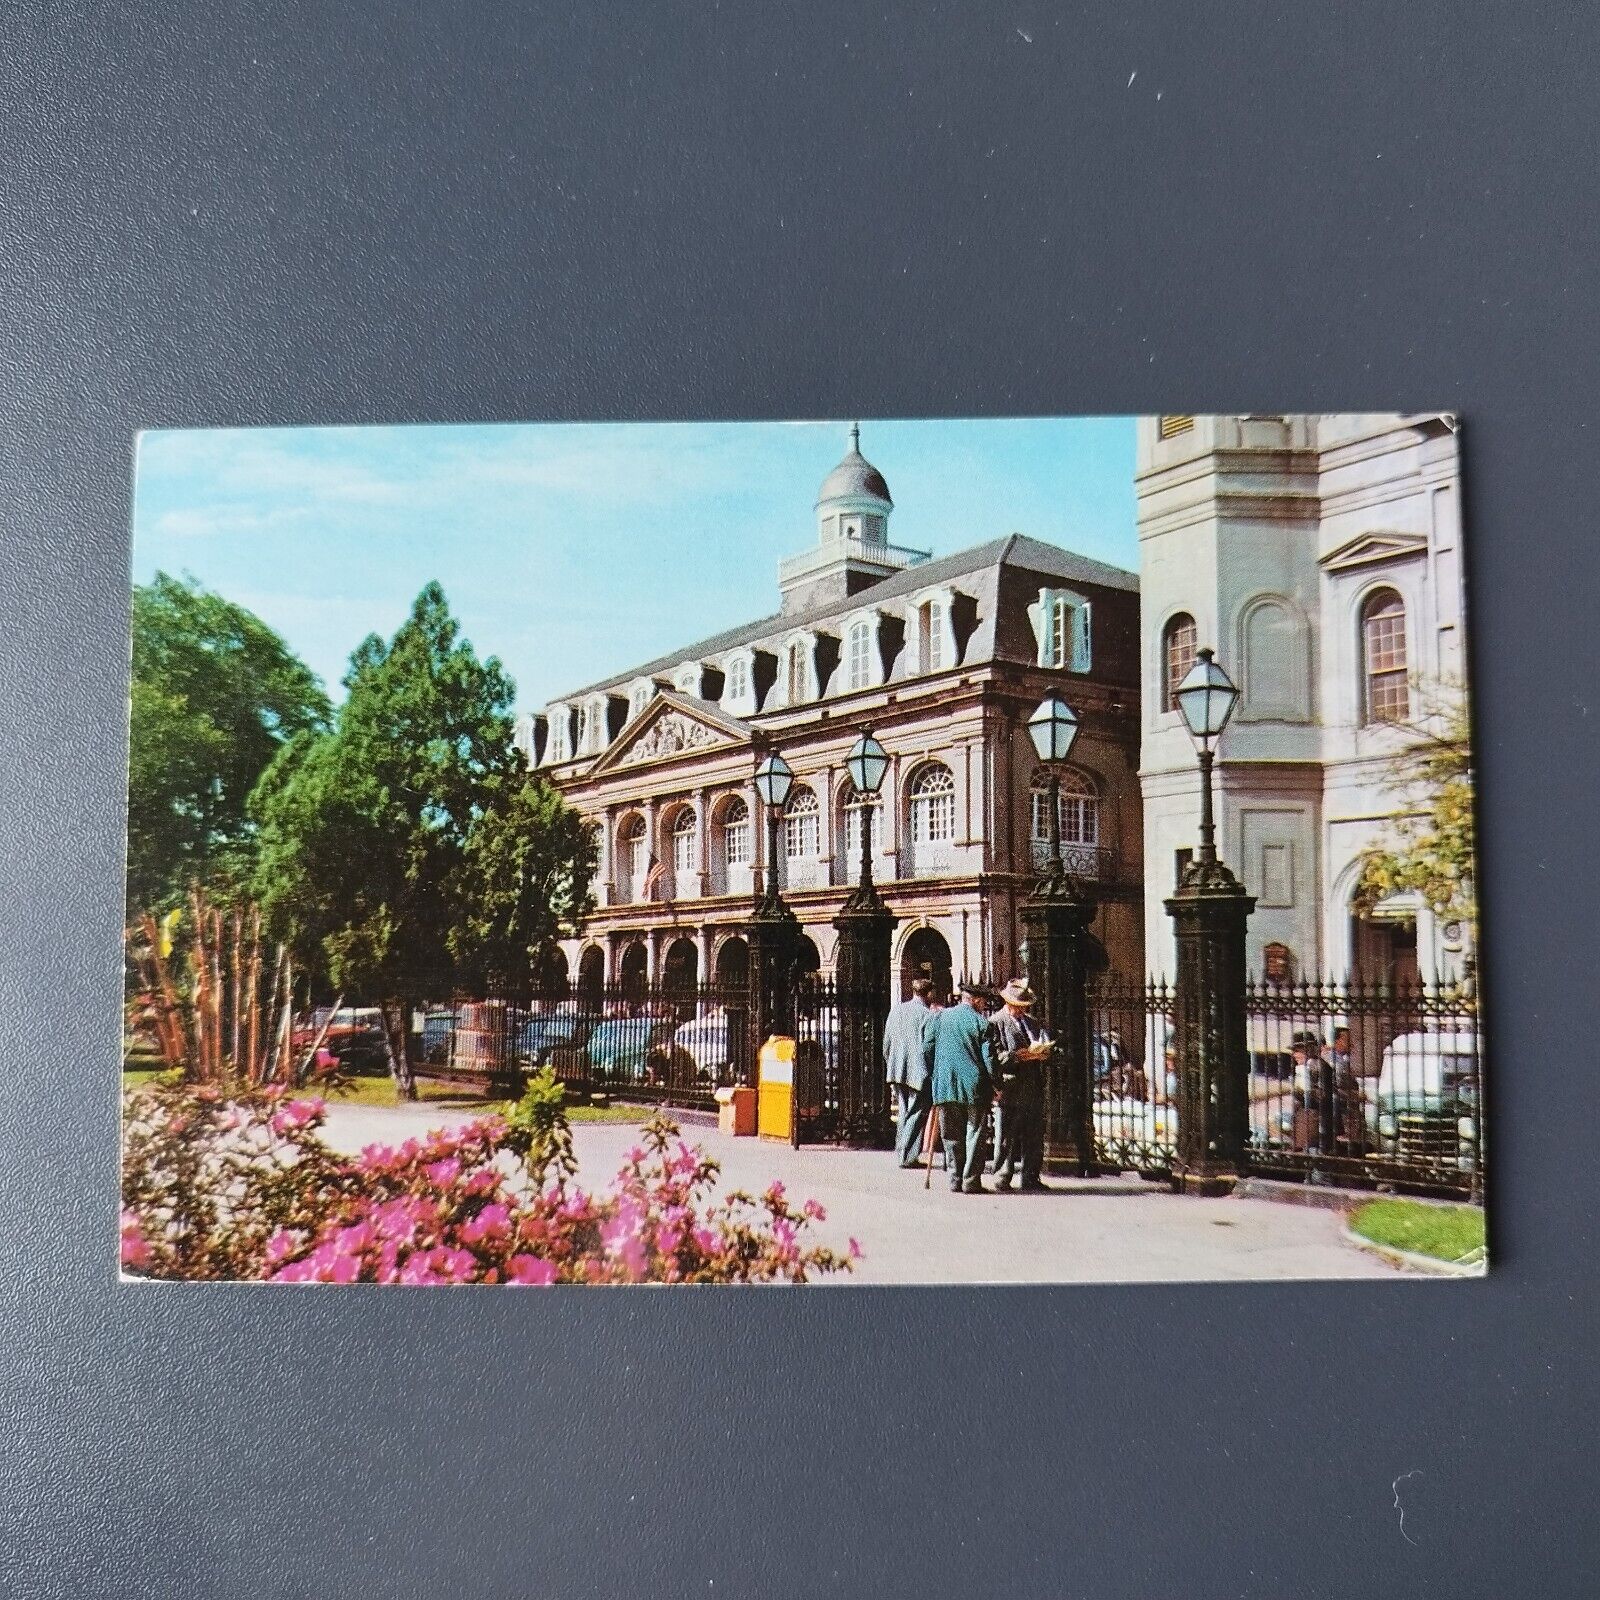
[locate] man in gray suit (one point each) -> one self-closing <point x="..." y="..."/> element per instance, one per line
<point x="908" y="1060"/>
<point x="963" y="1086"/>
<point x="1018" y="1042"/>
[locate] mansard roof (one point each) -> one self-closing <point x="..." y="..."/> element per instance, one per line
<point x="979" y="566"/>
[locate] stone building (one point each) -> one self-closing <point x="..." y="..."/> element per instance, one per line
<point x="945" y="660"/>
<point x="1321" y="558"/>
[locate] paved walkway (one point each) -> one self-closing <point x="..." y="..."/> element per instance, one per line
<point x="1104" y="1230"/>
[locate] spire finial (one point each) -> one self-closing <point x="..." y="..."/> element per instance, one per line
<point x="855" y="437"/>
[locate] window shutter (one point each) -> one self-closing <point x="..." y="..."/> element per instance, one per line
<point x="1080" y="637"/>
<point x="1039" y="616"/>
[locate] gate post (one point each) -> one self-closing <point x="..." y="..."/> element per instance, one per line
<point x="772" y="934"/>
<point x="1061" y="957"/>
<point x="1209" y="913"/>
<point x="861" y="970"/>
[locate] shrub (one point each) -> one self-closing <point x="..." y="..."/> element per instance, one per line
<point x="247" y="1189"/>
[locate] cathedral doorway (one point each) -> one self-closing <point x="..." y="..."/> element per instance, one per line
<point x="926" y="955"/>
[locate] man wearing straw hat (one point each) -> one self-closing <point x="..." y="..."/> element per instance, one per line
<point x="963" y="1086"/>
<point x="1020" y="1050"/>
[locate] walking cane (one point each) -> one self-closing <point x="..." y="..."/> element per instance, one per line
<point x="931" y="1139"/>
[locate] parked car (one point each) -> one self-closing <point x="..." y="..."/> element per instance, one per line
<point x="1425" y="1108"/>
<point x="354" y="1038"/>
<point x="545" y="1040"/>
<point x="708" y="1042"/>
<point x="638" y="1050"/>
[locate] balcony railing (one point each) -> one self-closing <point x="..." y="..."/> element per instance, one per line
<point x="1089" y="861"/>
<point x="895" y="557"/>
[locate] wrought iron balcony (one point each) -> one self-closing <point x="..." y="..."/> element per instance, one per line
<point x="1088" y="861"/>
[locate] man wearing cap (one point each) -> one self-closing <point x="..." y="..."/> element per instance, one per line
<point x="908" y="1062"/>
<point x="1019" y="1067"/>
<point x="963" y="1086"/>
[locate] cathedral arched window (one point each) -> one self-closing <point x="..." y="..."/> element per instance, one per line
<point x="802" y="826"/>
<point x="1179" y="640"/>
<point x="933" y="804"/>
<point x="1384" y="662"/>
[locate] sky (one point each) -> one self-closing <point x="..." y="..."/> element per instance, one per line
<point x="574" y="551"/>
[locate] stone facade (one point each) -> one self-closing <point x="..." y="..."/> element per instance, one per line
<point x="944" y="660"/>
<point x="1321" y="558"/>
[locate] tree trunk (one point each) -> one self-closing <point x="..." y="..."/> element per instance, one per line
<point x="396" y="1040"/>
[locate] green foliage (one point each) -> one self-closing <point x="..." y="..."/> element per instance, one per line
<point x="538" y="1130"/>
<point x="1449" y="1233"/>
<point x="529" y="862"/>
<point x="1434" y="851"/>
<point x="406" y="848"/>
<point x="215" y="695"/>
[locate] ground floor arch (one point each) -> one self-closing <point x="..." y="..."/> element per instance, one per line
<point x="633" y="971"/>
<point x="680" y="969"/>
<point x="925" y="954"/>
<point x="733" y="962"/>
<point x="591" y="974"/>
<point x="807" y="958"/>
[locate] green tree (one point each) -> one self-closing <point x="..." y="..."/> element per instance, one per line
<point x="382" y="839"/>
<point x="215" y="696"/>
<point x="1433" y="848"/>
<point x="529" y="864"/>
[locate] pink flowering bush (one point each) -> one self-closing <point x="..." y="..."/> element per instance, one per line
<point x="496" y="1201"/>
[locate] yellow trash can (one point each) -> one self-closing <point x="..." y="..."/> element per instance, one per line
<point x="775" y="1075"/>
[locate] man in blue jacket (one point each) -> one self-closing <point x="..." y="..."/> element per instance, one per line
<point x="963" y="1086"/>
<point x="908" y="1060"/>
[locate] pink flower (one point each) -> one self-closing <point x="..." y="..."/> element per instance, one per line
<point x="706" y="1241"/>
<point x="775" y="1193"/>
<point x="298" y="1114"/>
<point x="530" y="1269"/>
<point x="813" y="1209"/>
<point x="281" y="1246"/>
<point x="493" y="1222"/>
<point x="855" y="1250"/>
<point x="135" y="1247"/>
<point x="443" y="1173"/>
<point x="375" y="1156"/>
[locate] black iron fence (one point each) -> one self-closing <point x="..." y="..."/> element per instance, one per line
<point x="674" y="1044"/>
<point x="1133" y="1075"/>
<point x="1366" y="1084"/>
<point x="840" y="1092"/>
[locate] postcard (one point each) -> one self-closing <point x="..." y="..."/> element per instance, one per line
<point x="667" y="853"/>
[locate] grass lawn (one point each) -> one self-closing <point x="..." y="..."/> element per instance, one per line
<point x="1450" y="1233"/>
<point x="375" y="1091"/>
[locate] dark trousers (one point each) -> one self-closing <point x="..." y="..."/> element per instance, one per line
<point x="962" y="1130"/>
<point x="914" y="1107"/>
<point x="1021" y="1140"/>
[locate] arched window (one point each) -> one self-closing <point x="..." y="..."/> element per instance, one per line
<point x="685" y="828"/>
<point x="801" y="826"/>
<point x="634" y="857"/>
<point x="1079" y="810"/>
<point x="1178" y="642"/>
<point x="857" y="807"/>
<point x="1383" y="650"/>
<point x="933" y="805"/>
<point x="736" y="833"/>
<point x="860" y="658"/>
<point x="738" y="680"/>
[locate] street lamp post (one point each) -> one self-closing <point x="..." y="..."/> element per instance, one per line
<point x="773" y="930"/>
<point x="1062" y="954"/>
<point x="1209" y="911"/>
<point x="861" y="968"/>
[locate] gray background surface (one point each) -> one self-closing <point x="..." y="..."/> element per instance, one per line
<point x="375" y="212"/>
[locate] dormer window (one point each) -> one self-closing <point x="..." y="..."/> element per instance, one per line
<point x="1060" y="621"/>
<point x="738" y="683"/>
<point x="583" y="729"/>
<point x="797" y="673"/>
<point x="859" y="661"/>
<point x="639" y="700"/>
